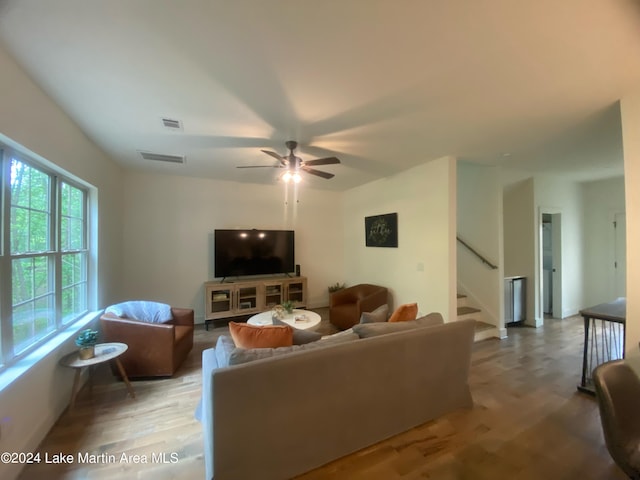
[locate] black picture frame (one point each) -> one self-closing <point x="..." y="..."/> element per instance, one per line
<point x="381" y="230"/>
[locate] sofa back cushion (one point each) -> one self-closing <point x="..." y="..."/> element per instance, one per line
<point x="376" y="329"/>
<point x="245" y="355"/>
<point x="267" y="336"/>
<point x="300" y="337"/>
<point x="224" y="347"/>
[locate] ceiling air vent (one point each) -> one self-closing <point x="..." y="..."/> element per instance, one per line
<point x="172" y="124"/>
<point x="162" y="157"/>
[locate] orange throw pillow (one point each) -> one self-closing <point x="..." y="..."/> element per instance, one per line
<point x="268" y="336"/>
<point x="408" y="311"/>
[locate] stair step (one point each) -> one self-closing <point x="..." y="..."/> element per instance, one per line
<point x="484" y="331"/>
<point x="467" y="310"/>
<point x="480" y="326"/>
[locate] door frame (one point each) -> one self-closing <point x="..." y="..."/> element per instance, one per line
<point x="556" y="254"/>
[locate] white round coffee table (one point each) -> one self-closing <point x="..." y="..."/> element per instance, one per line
<point x="302" y="319"/>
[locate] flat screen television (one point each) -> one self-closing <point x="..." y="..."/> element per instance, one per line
<point x="253" y="252"/>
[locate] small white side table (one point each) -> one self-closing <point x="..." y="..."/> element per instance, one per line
<point x="104" y="353"/>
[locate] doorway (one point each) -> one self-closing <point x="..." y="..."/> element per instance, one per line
<point x="551" y="263"/>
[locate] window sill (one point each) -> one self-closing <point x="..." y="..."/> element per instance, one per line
<point x="15" y="371"/>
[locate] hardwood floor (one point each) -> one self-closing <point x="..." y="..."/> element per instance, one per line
<point x="528" y="422"/>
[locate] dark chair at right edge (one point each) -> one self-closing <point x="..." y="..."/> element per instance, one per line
<point x="618" y="392"/>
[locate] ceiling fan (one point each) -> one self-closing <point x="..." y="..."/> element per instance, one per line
<point x="294" y="165"/>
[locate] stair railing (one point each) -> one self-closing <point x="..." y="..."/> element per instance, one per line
<point x="475" y="252"/>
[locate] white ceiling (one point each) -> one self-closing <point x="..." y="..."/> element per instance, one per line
<point x="381" y="84"/>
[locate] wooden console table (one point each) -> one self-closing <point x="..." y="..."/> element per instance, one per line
<point x="250" y="296"/>
<point x="604" y="337"/>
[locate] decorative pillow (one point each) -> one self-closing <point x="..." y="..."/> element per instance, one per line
<point x="376" y="329"/>
<point x="380" y="314"/>
<point x="142" y="310"/>
<point x="224" y="347"/>
<point x="242" y="355"/>
<point x="300" y="337"/>
<point x="267" y="336"/>
<point x="408" y="311"/>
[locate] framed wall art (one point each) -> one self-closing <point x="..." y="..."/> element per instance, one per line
<point x="381" y="230"/>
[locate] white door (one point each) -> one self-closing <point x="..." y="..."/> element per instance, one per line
<point x="556" y="265"/>
<point x="547" y="266"/>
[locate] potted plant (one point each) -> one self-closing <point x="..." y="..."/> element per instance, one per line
<point x="87" y="342"/>
<point x="335" y="287"/>
<point x="288" y="306"/>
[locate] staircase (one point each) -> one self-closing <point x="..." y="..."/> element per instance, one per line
<point x="483" y="330"/>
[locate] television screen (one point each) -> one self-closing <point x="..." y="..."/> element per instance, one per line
<point x="253" y="252"/>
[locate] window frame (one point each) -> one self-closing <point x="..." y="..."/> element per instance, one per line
<point x="53" y="253"/>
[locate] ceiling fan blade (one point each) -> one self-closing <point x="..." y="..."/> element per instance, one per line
<point x="282" y="160"/>
<point x="318" y="173"/>
<point x="260" y="166"/>
<point x="323" y="161"/>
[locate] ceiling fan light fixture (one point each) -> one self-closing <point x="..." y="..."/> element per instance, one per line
<point x="286" y="177"/>
<point x="296" y="177"/>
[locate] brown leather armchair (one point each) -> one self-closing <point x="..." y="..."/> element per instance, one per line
<point x="346" y="306"/>
<point x="618" y="391"/>
<point x="155" y="349"/>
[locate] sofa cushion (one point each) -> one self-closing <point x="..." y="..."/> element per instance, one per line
<point x="224" y="347"/>
<point x="408" y="311"/>
<point x="433" y="318"/>
<point x="245" y="355"/>
<point x="380" y="314"/>
<point x="375" y="329"/>
<point x="345" y="333"/>
<point x="300" y="337"/>
<point x="254" y="336"/>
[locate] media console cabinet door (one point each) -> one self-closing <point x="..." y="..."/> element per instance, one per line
<point x="224" y="300"/>
<point x="296" y="291"/>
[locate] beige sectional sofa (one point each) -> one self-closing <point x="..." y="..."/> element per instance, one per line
<point x="280" y="416"/>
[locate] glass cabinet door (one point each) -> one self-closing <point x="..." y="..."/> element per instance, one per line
<point x="247" y="297"/>
<point x="273" y="294"/>
<point x="221" y="300"/>
<point x="295" y="292"/>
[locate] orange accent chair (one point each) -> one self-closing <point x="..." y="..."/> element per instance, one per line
<point x="346" y="306"/>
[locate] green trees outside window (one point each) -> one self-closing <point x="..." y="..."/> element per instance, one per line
<point x="47" y="254"/>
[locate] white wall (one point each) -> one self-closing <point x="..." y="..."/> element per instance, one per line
<point x="168" y="233"/>
<point x="602" y="200"/>
<point x="422" y="268"/>
<point x="479" y="223"/>
<point x="519" y="239"/>
<point x="30" y="405"/>
<point x="630" y="110"/>
<point x="559" y="195"/>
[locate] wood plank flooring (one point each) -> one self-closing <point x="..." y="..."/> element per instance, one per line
<point x="528" y="422"/>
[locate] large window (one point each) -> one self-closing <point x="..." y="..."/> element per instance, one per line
<point x="44" y="254"/>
